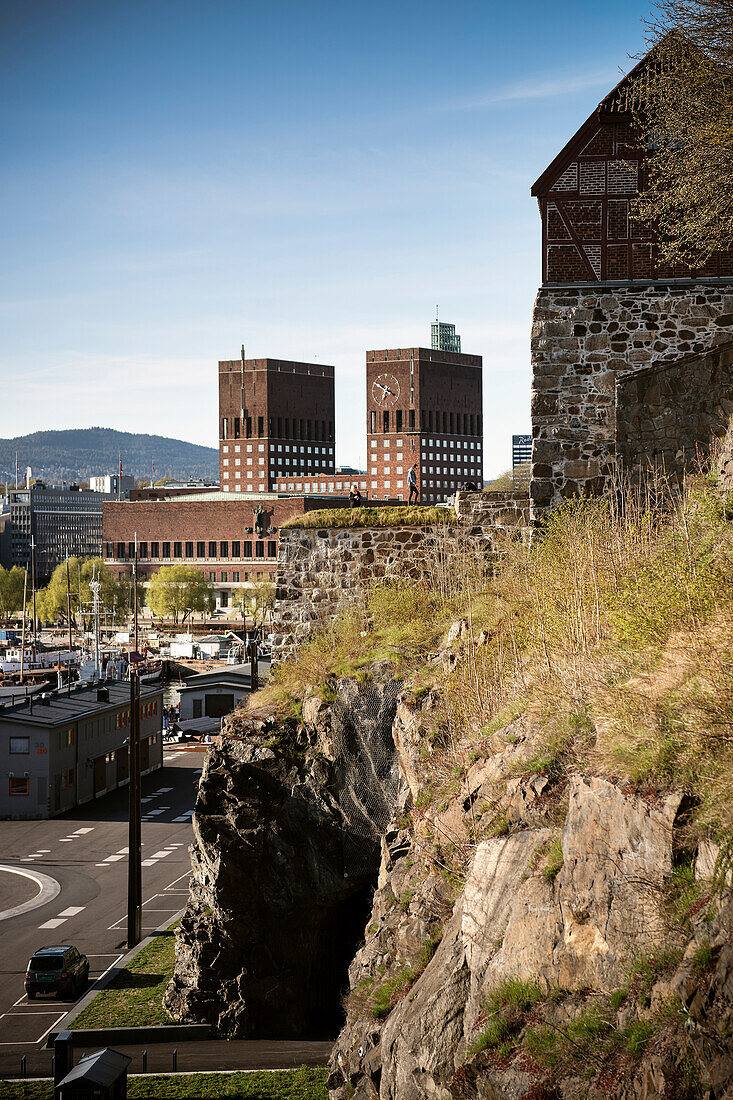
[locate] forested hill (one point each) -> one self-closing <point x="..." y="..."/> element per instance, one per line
<point x="58" y="456"/>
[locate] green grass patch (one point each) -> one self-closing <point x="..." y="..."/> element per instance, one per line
<point x="553" y="861"/>
<point x="409" y="516"/>
<point x="306" y="1083"/>
<point x="135" y="997"/>
<point x="388" y="993"/>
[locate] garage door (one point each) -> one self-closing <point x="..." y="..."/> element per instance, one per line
<point x="218" y="705"/>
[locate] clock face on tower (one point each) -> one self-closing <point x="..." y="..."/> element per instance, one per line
<point x="385" y="389"/>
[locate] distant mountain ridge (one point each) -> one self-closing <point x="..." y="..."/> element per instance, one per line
<point x="79" y="453"/>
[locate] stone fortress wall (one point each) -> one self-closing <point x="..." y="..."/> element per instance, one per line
<point x="585" y="339"/>
<point x="323" y="571"/>
<point x="668" y="414"/>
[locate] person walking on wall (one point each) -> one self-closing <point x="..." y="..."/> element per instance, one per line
<point x="412" y="485"/>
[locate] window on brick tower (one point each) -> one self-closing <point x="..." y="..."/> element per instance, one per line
<point x="260" y="426"/>
<point x="330" y="431"/>
<point x="412" y="418"/>
<point x="270" y="426"/>
<point x="398" y="420"/>
<point x="224" y="428"/>
<point x="372" y="422"/>
<point x="249" y="427"/>
<point x="385" y="420"/>
<point x="287" y="428"/>
<point x="279" y="427"/>
<point x="236" y="427"/>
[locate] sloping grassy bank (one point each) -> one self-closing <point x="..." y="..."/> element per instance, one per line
<point x="301" y="1084"/>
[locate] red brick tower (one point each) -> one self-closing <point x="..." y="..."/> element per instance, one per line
<point x="276" y="418"/>
<point x="424" y="406"/>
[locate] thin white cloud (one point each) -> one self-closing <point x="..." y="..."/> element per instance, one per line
<point x="540" y="86"/>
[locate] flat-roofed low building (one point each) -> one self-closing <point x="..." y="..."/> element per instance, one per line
<point x="62" y="750"/>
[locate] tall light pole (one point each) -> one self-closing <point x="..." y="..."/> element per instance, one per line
<point x="134" y="845"/>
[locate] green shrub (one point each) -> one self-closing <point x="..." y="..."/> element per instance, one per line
<point x="636" y="1037"/>
<point x="554" y="861"/>
<point x="410" y="516"/>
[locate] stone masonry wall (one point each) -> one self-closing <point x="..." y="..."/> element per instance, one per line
<point x="582" y="337"/>
<point x="322" y="571"/>
<point x="670" y="414"/>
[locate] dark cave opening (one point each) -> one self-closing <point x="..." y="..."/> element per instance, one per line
<point x="340" y="935"/>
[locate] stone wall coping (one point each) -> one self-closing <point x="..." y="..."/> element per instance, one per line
<point x="622" y="377"/>
<point x="721" y="280"/>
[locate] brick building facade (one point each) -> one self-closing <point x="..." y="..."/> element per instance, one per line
<point x="218" y="533"/>
<point x="608" y="306"/>
<point x="424" y="405"/>
<point x="276" y="419"/>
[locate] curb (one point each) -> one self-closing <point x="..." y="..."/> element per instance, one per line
<point x="118" y="1034"/>
<point x="48" y="889"/>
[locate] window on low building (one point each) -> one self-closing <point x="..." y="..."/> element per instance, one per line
<point x="177" y="550"/>
<point x="189" y="549"/>
<point x="212" y="549"/>
<point x="235" y="577"/>
<point x="143" y="549"/>
<point x="246" y="549"/>
<point x="272" y="549"/>
<point x="200" y="549"/>
<point x="259" y="549"/>
<point x="20" y="745"/>
<point x="236" y="549"/>
<point x="154" y="550"/>
<point x="166" y="550"/>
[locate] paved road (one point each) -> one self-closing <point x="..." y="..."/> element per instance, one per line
<point x="85" y="851"/>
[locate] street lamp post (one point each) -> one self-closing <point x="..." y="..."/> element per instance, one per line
<point x="134" y="857"/>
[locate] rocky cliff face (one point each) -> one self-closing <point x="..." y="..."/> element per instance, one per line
<point x="537" y="937"/>
<point x="286" y="850"/>
<point x="510" y="928"/>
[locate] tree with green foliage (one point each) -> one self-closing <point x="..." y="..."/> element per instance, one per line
<point x="51" y="601"/>
<point x="177" y="589"/>
<point x="683" y="99"/>
<point x="261" y="597"/>
<point x="11" y="590"/>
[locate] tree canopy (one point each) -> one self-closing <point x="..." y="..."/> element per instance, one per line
<point x="11" y="590"/>
<point x="176" y="589"/>
<point x="51" y="600"/>
<point x="684" y="116"/>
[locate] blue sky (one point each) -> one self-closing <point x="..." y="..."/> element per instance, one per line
<point x="307" y="178"/>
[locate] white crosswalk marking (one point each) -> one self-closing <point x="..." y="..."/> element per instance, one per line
<point x="113" y="859"/>
<point x="54" y="923"/>
<point x="72" y="910"/>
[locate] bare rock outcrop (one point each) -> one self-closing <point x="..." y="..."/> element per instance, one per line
<point x="286" y="849"/>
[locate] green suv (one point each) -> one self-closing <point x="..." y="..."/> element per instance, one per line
<point x="60" y="970"/>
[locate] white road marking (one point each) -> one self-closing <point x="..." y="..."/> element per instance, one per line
<point x="79" y="832"/>
<point x="54" y="923"/>
<point x="164" y="790"/>
<point x="123" y="852"/>
<point x="148" y="862"/>
<point x="152" y="813"/>
<point x="66" y="839"/>
<point x="44" y="851"/>
<point x="148" y="799"/>
<point x="113" y="859"/>
<point x="101" y="864"/>
<point x="72" y="910"/>
<point x="161" y="854"/>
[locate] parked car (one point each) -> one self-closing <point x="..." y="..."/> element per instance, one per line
<point x="61" y="970"/>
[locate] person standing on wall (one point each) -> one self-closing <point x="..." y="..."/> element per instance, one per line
<point x="412" y="485"/>
<point x="354" y="496"/>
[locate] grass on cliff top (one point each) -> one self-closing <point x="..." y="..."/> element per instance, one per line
<point x="612" y="628"/>
<point x="135" y="997"/>
<point x="399" y="516"/>
<point x="306" y="1083"/>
